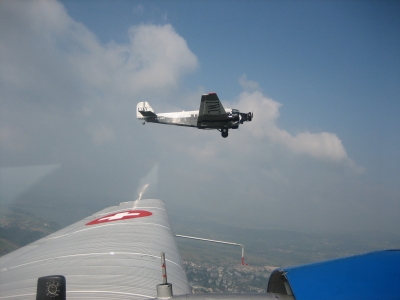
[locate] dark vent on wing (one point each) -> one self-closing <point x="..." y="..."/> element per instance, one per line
<point x="51" y="288"/>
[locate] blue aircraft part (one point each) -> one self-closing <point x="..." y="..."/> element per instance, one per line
<point x="374" y="275"/>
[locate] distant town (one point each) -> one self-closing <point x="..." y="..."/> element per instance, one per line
<point x="206" y="278"/>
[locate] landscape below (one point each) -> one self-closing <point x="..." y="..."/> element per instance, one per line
<point x="214" y="267"/>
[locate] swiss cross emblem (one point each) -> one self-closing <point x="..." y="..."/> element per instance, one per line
<point x="123" y="215"/>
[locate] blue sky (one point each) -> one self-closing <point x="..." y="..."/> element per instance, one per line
<point x="322" y="78"/>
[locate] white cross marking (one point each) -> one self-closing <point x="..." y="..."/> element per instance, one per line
<point x="119" y="216"/>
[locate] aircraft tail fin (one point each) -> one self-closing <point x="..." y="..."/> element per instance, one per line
<point x="143" y="110"/>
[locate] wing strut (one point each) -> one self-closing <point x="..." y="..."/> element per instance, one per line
<point x="213" y="241"/>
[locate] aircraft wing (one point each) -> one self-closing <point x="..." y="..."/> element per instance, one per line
<point x="113" y="254"/>
<point x="211" y="112"/>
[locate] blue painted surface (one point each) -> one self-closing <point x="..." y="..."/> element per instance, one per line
<point x="374" y="275"/>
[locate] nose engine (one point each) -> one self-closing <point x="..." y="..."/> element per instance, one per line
<point x="235" y="118"/>
<point x="246" y="117"/>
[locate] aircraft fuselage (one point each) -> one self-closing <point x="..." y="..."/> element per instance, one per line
<point x="211" y="115"/>
<point x="190" y="119"/>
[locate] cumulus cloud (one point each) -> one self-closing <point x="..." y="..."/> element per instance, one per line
<point x="324" y="145"/>
<point x="55" y="70"/>
<point x="248" y="85"/>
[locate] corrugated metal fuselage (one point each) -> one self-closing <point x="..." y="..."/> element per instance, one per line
<point x="191" y="119"/>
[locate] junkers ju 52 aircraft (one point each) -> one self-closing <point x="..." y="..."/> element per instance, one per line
<point x="211" y="115"/>
<point x="124" y="252"/>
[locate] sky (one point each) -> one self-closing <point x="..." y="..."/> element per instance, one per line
<point x="321" y="77"/>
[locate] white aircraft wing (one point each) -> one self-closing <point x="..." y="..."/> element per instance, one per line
<point x="113" y="254"/>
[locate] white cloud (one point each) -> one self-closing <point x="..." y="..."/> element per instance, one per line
<point x="323" y="145"/>
<point x="54" y="68"/>
<point x="159" y="55"/>
<point x="155" y="58"/>
<point x="248" y="85"/>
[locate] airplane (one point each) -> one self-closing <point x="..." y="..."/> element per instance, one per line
<point x="211" y="115"/>
<point x="129" y="251"/>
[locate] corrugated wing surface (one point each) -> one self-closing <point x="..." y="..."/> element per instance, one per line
<point x="116" y="256"/>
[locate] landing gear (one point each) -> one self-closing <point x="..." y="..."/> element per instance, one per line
<point x="143" y="122"/>
<point x="224" y="132"/>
